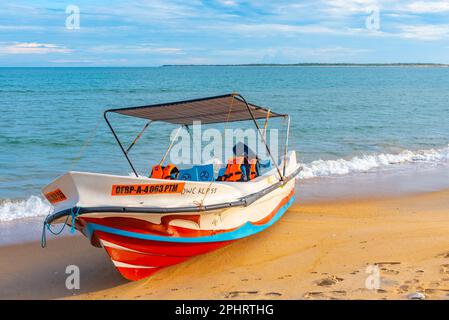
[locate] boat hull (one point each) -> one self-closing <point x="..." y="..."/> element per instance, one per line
<point x="136" y="259"/>
<point x="139" y="248"/>
<point x="147" y="224"/>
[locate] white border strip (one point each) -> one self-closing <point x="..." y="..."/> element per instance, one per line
<point x="126" y="265"/>
<point x="116" y="246"/>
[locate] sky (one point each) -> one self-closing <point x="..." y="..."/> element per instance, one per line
<point x="158" y="32"/>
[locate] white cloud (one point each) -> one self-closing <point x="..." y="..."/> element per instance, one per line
<point x="32" y="48"/>
<point x="283" y="28"/>
<point x="180" y="27"/>
<point x="230" y="3"/>
<point x="286" y="55"/>
<point x="268" y="29"/>
<point x="74" y="61"/>
<point x="140" y="48"/>
<point x="323" y="54"/>
<point x="349" y="7"/>
<point x="95" y="61"/>
<point x="143" y="11"/>
<point x="20" y="27"/>
<point x="427" y="6"/>
<point x="425" y="32"/>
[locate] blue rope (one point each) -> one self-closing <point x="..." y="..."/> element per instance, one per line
<point x="73" y="223"/>
<point x="47" y="226"/>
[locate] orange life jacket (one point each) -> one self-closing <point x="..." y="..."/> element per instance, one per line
<point x="234" y="170"/>
<point x="253" y="170"/>
<point x="160" y="172"/>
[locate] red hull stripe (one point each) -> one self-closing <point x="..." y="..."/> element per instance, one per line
<point x="169" y="253"/>
<point x="176" y="249"/>
<point x="142" y="259"/>
<point x="134" y="274"/>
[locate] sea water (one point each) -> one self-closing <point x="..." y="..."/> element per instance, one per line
<point x="345" y="121"/>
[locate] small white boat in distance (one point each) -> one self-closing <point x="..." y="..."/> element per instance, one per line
<point x="148" y="223"/>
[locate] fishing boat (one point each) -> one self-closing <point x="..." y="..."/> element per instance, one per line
<point x="146" y="223"/>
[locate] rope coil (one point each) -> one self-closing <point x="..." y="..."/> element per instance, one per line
<point x="47" y="226"/>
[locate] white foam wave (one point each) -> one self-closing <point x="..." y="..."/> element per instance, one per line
<point x="18" y="209"/>
<point x="322" y="168"/>
<point x="38" y="206"/>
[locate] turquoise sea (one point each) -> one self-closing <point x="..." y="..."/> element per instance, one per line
<point x="345" y="120"/>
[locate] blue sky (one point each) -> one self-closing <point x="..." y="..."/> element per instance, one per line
<point x="155" y="32"/>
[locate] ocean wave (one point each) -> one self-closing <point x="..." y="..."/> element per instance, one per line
<point x="18" y="209"/>
<point x="38" y="206"/>
<point x="323" y="168"/>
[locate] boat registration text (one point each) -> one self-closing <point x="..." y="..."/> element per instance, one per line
<point x="55" y="196"/>
<point x="144" y="189"/>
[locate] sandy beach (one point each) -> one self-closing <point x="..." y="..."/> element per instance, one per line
<point x="224" y="150"/>
<point x="318" y="250"/>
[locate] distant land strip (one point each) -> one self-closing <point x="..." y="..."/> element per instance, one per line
<point x="313" y="65"/>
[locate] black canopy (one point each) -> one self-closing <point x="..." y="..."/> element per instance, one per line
<point x="224" y="108"/>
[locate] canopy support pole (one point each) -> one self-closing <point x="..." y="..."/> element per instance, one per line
<point x="138" y="136"/>
<point x="265" y="125"/>
<point x="119" y="143"/>
<point x="286" y="144"/>
<point x="172" y="142"/>
<point x="281" y="177"/>
<point x="188" y="131"/>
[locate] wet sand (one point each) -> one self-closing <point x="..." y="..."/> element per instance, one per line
<point x="318" y="250"/>
<point x="29" y="272"/>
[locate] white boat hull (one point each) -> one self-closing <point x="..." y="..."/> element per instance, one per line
<point x="146" y="224"/>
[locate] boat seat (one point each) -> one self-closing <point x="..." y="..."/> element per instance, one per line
<point x="205" y="172"/>
<point x="265" y="165"/>
<point x="197" y="173"/>
<point x="188" y="174"/>
<point x="221" y="172"/>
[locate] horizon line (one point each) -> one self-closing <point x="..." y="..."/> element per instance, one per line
<point x="301" y="64"/>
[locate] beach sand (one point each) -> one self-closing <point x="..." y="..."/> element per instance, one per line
<point x="29" y="272"/>
<point x="318" y="250"/>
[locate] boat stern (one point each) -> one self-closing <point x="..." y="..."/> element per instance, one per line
<point x="62" y="193"/>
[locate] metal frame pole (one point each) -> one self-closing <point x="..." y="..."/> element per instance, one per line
<point x="119" y="143"/>
<point x="260" y="133"/>
<point x="170" y="146"/>
<point x="138" y="136"/>
<point x="286" y="144"/>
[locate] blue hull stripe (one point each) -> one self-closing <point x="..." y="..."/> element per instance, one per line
<point x="244" y="231"/>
